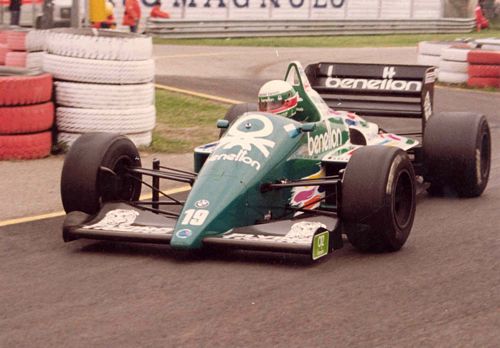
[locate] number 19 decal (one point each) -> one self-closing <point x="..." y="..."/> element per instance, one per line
<point x="195" y="217"/>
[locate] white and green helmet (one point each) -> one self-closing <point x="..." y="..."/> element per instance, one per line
<point x="278" y="97"/>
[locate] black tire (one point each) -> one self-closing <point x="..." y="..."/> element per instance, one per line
<point x="378" y="199"/>
<point x="84" y="187"/>
<point x="457" y="153"/>
<point x="236" y="111"/>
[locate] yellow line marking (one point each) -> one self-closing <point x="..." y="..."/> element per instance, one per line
<point x="62" y="213"/>
<point x="197" y="94"/>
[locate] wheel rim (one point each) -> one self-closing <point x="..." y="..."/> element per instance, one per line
<point x="123" y="185"/>
<point x="403" y="200"/>
<point x="483" y="158"/>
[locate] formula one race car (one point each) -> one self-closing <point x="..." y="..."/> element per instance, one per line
<point x="274" y="183"/>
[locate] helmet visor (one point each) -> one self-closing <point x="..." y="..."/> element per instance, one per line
<point x="270" y="105"/>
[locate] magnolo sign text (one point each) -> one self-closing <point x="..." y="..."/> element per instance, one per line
<point x="262" y="3"/>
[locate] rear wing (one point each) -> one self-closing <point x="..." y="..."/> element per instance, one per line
<point x="388" y="90"/>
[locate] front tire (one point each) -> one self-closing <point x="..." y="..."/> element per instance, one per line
<point x="236" y="111"/>
<point x="457" y="153"/>
<point x="85" y="186"/>
<point x="378" y="199"/>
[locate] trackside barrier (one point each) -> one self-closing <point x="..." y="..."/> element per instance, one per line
<point x="168" y="28"/>
<point x="476" y="63"/>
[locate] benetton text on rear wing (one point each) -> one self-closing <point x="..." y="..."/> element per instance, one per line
<point x="375" y="89"/>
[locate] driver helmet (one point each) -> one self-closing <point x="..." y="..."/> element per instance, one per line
<point x="278" y="97"/>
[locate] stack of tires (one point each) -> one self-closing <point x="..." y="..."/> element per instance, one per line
<point x="26" y="114"/>
<point x="22" y="48"/>
<point x="104" y="83"/>
<point x="454" y="65"/>
<point x="484" y="68"/>
<point x="429" y="52"/>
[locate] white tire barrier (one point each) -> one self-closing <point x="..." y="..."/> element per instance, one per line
<point x="124" y="121"/>
<point x="455" y="54"/>
<point x="139" y="139"/>
<point x="99" y="71"/>
<point x="36" y="40"/>
<point x="91" y="96"/>
<point x="34" y="61"/>
<point x="452" y="77"/>
<point x="99" y="44"/>
<point x="433" y="48"/>
<point x="452" y="66"/>
<point x="424" y="59"/>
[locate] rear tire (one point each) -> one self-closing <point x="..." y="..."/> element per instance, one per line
<point x="84" y="186"/>
<point x="457" y="153"/>
<point x="236" y="111"/>
<point x="378" y="199"/>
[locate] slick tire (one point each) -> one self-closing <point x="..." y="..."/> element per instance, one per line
<point x="85" y="186"/>
<point x="25" y="146"/>
<point x="99" y="71"/>
<point x="121" y="121"/>
<point x="378" y="199"/>
<point x="236" y="111"/>
<point x="26" y="119"/>
<point x="91" y="96"/>
<point x="99" y="44"/>
<point x="457" y="153"/>
<point x="21" y="87"/>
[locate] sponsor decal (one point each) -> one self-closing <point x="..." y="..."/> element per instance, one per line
<point x="121" y="220"/>
<point x="246" y="140"/>
<point x="239" y="157"/>
<point x="184" y="233"/>
<point x="387" y="83"/>
<point x="202" y="203"/>
<point x="308" y="196"/>
<point x="430" y="77"/>
<point x="195" y="217"/>
<point x="320" y="245"/>
<point x="325" y="141"/>
<point x="427" y="106"/>
<point x="300" y="233"/>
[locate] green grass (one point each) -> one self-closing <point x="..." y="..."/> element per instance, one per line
<point x="183" y="122"/>
<point x="333" y="41"/>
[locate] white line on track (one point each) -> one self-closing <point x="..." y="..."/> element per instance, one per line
<point x="62" y="213"/>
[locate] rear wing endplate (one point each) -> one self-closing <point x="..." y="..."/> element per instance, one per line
<point x="388" y="90"/>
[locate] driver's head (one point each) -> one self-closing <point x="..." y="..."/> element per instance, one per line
<point x="278" y="97"/>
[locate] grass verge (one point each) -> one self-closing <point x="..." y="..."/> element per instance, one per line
<point x="333" y="41"/>
<point x="184" y="122"/>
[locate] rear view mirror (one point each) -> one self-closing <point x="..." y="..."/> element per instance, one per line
<point x="223" y="124"/>
<point x="308" y="127"/>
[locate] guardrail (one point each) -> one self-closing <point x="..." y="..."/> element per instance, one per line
<point x="168" y="28"/>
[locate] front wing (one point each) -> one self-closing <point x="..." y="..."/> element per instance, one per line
<point x="306" y="234"/>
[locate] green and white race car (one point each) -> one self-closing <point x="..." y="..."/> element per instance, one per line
<point x="289" y="184"/>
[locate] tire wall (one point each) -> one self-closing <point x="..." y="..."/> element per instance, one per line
<point x="103" y="83"/>
<point x="475" y="63"/>
<point x="26" y="114"/>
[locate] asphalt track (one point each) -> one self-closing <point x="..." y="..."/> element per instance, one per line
<point x="441" y="289"/>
